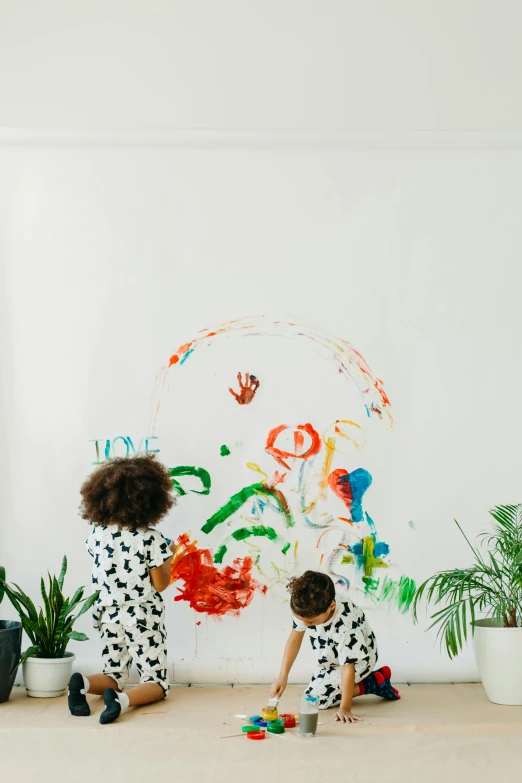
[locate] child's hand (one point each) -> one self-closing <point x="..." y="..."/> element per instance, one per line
<point x="278" y="688"/>
<point x="346" y="716"/>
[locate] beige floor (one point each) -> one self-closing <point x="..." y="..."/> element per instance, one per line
<point x="435" y="733"/>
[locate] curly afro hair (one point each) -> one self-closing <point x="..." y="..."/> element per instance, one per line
<point x="310" y="594"/>
<point x="131" y="492"/>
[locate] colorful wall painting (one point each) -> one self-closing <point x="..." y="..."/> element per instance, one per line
<point x="308" y="499"/>
<point x="345" y="357"/>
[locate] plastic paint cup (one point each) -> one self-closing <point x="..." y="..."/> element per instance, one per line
<point x="275" y="727"/>
<point x="269" y="713"/>
<point x="308" y="715"/>
<point x="249" y="729"/>
<point x="288" y="720"/>
<point x="256" y="735"/>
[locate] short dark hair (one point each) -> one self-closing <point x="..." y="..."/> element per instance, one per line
<point x="131" y="492"/>
<point x="311" y="594"/>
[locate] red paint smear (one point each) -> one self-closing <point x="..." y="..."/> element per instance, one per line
<point x="209" y="589"/>
<point x="277" y="478"/>
<point x="174" y="359"/>
<point x="384" y="397"/>
<point x="298" y="441"/>
<point x="284" y="503"/>
<point x="279" y="454"/>
<point x="341" y="488"/>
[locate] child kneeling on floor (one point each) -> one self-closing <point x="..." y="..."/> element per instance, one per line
<point x="123" y="499"/>
<point x="343" y="642"/>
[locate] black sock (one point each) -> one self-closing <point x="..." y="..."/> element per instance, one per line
<point x="112" y="706"/>
<point x="379" y="684"/>
<point x="77" y="701"/>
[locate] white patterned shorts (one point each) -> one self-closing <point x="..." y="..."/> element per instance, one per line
<point x="127" y="644"/>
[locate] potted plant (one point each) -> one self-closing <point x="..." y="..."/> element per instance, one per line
<point x="10" y="648"/>
<point x="47" y="666"/>
<point x="488" y="597"/>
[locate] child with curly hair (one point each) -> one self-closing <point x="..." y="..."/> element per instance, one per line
<point x="123" y="499"/>
<point x="344" y="645"/>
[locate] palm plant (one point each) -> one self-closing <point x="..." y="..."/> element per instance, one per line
<point x="490" y="587"/>
<point x="49" y="631"/>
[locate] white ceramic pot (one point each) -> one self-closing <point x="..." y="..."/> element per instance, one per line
<point x="47" y="677"/>
<point x="499" y="657"/>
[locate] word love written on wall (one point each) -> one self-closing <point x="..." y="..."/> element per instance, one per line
<point x="298" y="493"/>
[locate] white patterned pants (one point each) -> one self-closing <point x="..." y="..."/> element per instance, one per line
<point x="125" y="644"/>
<point x="325" y="684"/>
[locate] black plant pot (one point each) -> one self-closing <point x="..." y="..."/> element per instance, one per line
<point x="10" y="651"/>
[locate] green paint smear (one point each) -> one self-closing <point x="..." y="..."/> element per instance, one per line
<point x="391" y="591"/>
<point x="237" y="500"/>
<point x="246" y="532"/>
<point x="370" y="584"/>
<point x="189" y="470"/>
<point x="256" y="530"/>
<point x="348" y="560"/>
<point x="224" y="451"/>
<point x="220" y="554"/>
<point x="233" y="505"/>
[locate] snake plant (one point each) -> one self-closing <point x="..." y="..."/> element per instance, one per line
<point x="49" y="629"/>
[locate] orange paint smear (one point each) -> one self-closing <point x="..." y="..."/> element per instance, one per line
<point x="330" y="450"/>
<point x="298" y="441"/>
<point x="280" y="455"/>
<point x="277" y="478"/>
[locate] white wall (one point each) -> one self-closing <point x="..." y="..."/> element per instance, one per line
<point x="117" y="245"/>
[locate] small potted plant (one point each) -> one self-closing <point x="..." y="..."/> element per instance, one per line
<point x="485" y="598"/>
<point x="47" y="666"/>
<point x="10" y="648"/>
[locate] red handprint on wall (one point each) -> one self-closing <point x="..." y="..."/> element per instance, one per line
<point x="247" y="389"/>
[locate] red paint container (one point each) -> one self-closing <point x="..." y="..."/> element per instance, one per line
<point x="256" y="735"/>
<point x="289" y="720"/>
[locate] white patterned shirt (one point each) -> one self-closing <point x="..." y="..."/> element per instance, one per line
<point x="122" y="561"/>
<point x="346" y="637"/>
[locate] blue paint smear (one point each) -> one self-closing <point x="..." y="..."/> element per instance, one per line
<point x="182" y="361"/>
<point x="381" y="549"/>
<point x="359" y="480"/>
<point x="371" y="524"/>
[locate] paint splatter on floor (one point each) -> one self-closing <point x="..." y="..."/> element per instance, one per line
<point x="224" y="450"/>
